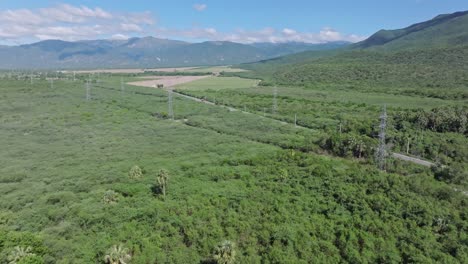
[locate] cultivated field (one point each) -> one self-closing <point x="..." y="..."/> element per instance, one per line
<point x="166" y="81"/>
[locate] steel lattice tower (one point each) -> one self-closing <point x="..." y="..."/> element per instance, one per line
<point x="381" y="153"/>
<point x="88" y="91"/>
<point x="275" y="100"/>
<point x="171" y="109"/>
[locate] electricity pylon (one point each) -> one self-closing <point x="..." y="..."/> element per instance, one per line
<point x="381" y="153"/>
<point x="171" y="109"/>
<point x="275" y="101"/>
<point x="88" y="91"/>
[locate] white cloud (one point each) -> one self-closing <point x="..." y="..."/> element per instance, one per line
<point x="130" y="27"/>
<point x="68" y="22"/>
<point x="119" y="37"/>
<point x="289" y="32"/>
<point x="263" y="35"/>
<point x="200" y="7"/>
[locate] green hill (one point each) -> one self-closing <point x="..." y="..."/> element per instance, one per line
<point x="421" y="59"/>
<point x="441" y="31"/>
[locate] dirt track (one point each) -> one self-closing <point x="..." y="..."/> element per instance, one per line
<point x="167" y="81"/>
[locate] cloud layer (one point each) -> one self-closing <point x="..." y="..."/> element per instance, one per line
<point x="68" y="22"/>
<point x="264" y="35"/>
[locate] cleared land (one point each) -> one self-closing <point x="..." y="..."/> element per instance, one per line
<point x="136" y="70"/>
<point x="219" y="83"/>
<point x="167" y="81"/>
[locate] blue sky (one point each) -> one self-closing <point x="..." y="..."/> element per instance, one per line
<point x="23" y="21"/>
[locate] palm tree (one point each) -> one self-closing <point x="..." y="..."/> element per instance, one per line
<point x="225" y="253"/>
<point x="117" y="255"/>
<point x="135" y="172"/>
<point x="19" y="253"/>
<point x="163" y="178"/>
<point x="110" y="197"/>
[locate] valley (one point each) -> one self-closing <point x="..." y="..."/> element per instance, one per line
<point x="151" y="150"/>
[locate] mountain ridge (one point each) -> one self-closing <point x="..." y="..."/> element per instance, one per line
<point x="144" y="52"/>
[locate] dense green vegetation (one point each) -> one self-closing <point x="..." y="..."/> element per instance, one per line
<point x="441" y="31"/>
<point x="346" y="123"/>
<point x="94" y="181"/>
<point x="280" y="170"/>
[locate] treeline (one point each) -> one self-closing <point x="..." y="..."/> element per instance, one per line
<point x="441" y="119"/>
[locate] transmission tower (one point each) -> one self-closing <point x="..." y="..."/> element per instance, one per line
<point x="275" y="101"/>
<point x="381" y="153"/>
<point x="171" y="109"/>
<point x="74" y="78"/>
<point x="52" y="83"/>
<point x="88" y="91"/>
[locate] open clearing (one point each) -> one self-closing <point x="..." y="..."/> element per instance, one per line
<point x="219" y="83"/>
<point x="173" y="69"/>
<point x="136" y="70"/>
<point x="167" y="81"/>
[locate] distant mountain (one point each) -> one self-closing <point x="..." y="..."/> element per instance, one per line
<point x="144" y="52"/>
<point x="279" y="49"/>
<point x="441" y="31"/>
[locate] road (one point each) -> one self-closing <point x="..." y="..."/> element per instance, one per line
<point x="412" y="159"/>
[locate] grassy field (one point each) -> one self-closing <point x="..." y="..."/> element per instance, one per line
<point x="253" y="181"/>
<point x="219" y="83"/>
<point x="216" y="69"/>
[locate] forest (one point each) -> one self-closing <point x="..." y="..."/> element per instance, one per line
<point x="89" y="181"/>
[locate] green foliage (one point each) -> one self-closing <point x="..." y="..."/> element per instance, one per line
<point x="31" y="259"/>
<point x="234" y="176"/>
<point x="443" y="30"/>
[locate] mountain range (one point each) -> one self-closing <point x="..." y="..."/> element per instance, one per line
<point x="144" y="52"/>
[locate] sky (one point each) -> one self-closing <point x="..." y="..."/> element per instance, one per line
<point x="244" y="21"/>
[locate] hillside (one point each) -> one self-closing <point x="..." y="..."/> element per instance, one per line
<point x="441" y="31"/>
<point x="144" y="52"/>
<point x="420" y="59"/>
